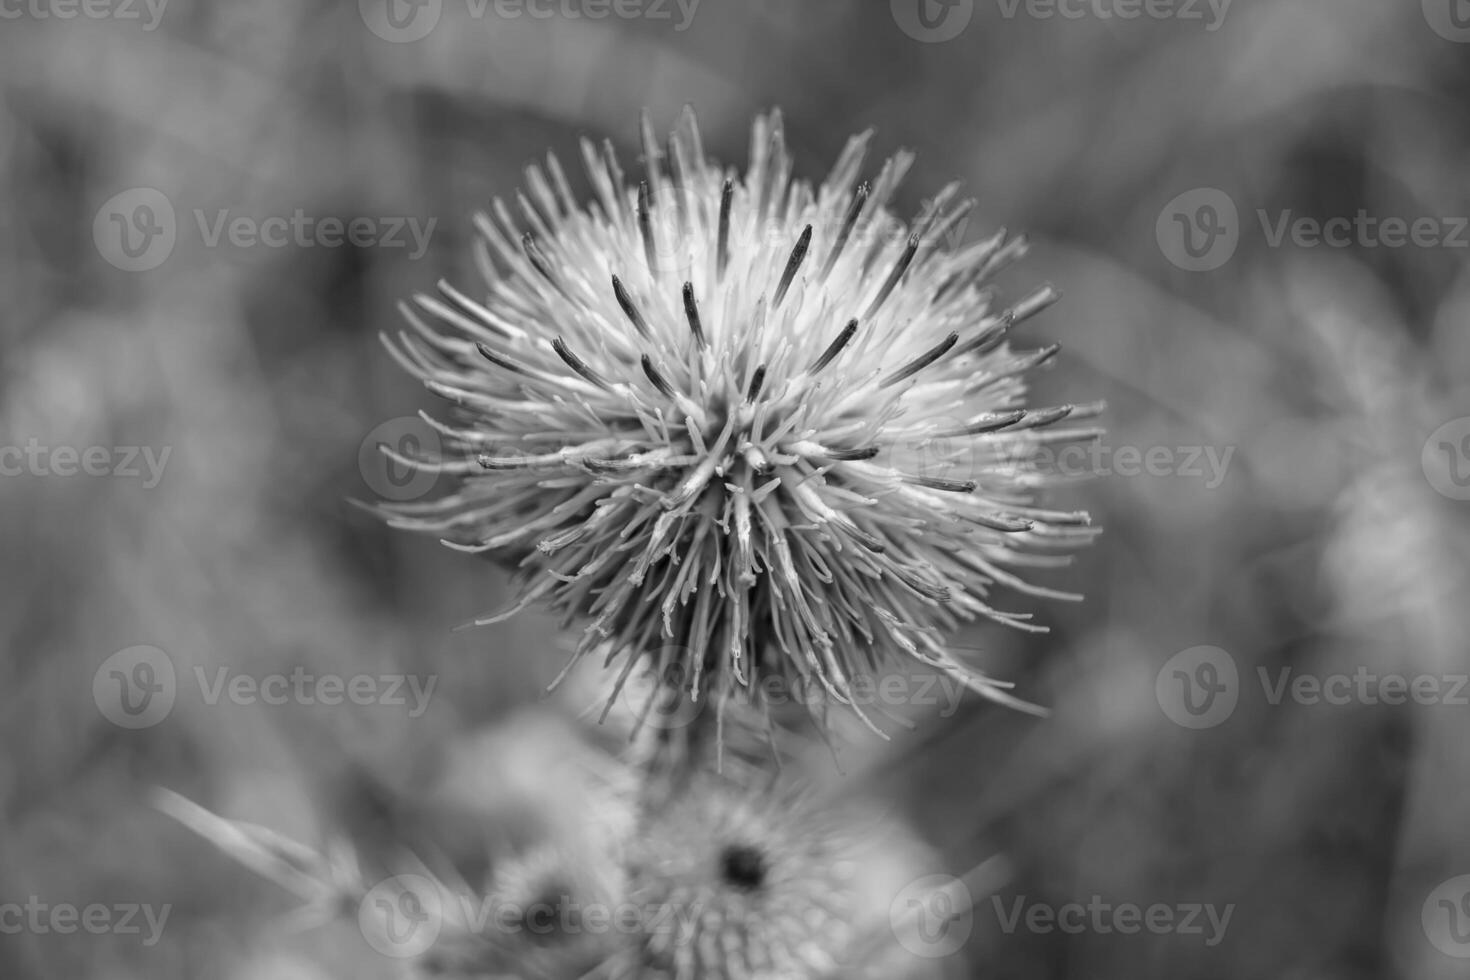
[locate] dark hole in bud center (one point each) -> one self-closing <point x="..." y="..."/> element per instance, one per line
<point x="743" y="866"/>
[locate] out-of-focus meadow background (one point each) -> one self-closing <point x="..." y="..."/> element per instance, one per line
<point x="1285" y="477"/>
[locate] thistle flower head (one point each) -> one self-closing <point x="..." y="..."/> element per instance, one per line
<point x="739" y="425"/>
<point x="758" y="886"/>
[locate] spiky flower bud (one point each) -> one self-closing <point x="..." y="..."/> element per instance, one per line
<point x="741" y="426"/>
<point x="763" y="885"/>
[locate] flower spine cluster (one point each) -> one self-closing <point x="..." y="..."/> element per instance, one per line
<point x="736" y="425"/>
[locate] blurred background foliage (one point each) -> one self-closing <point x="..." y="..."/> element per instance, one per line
<point x="1325" y="547"/>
